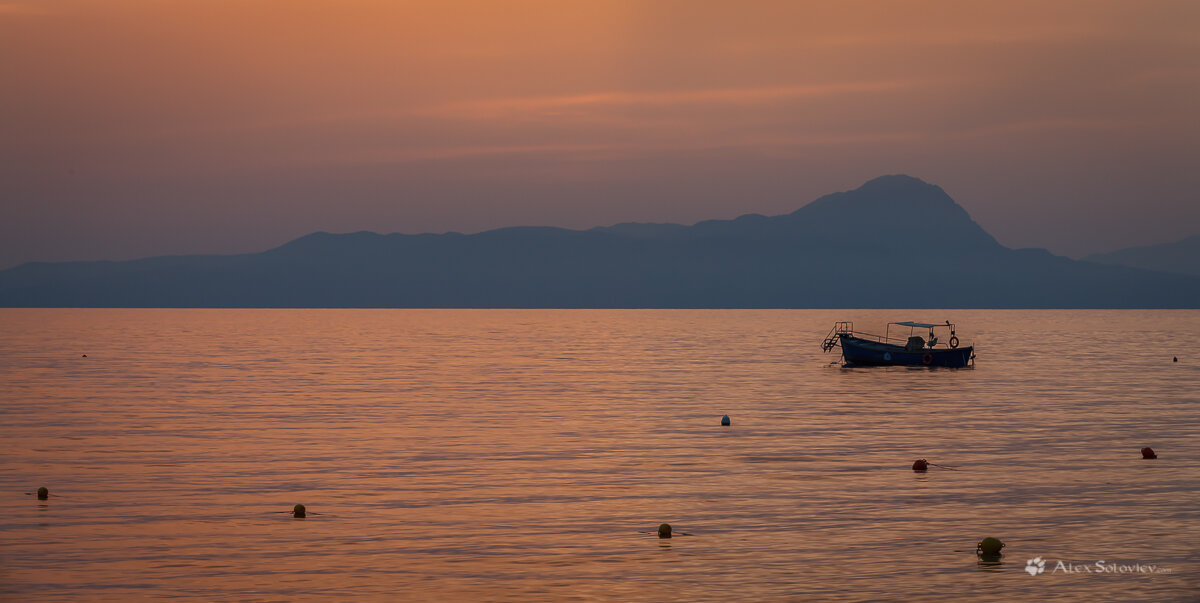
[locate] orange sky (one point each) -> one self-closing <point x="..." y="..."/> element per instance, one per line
<point x="155" y="127"/>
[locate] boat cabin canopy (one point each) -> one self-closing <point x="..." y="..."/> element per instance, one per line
<point x="919" y="325"/>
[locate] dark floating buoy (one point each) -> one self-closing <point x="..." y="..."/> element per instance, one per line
<point x="1148" y="453"/>
<point x="43" y="493"/>
<point x="989" y="549"/>
<point x="920" y="465"/>
<point x="725" y="421"/>
<point x="298" y="512"/>
<point x="85" y="355"/>
<point x="664" y="530"/>
<point x="1174" y="358"/>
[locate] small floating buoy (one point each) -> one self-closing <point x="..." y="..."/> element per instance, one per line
<point x="43" y="493"/>
<point x="298" y="512"/>
<point x="725" y="421"/>
<point x="85" y="355"/>
<point x="664" y="530"/>
<point x="920" y="465"/>
<point x="989" y="547"/>
<point x="1148" y="453"/>
<point x="1174" y="358"/>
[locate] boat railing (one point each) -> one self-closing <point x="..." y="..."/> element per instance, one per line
<point x="879" y="338"/>
<point x="833" y="338"/>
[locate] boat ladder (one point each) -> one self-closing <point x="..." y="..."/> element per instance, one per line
<point x="834" y="336"/>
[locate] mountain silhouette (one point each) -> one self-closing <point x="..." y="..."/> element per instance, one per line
<point x="1182" y="257"/>
<point x="895" y="242"/>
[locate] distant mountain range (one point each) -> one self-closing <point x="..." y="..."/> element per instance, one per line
<point x="1182" y="257"/>
<point x="895" y="242"/>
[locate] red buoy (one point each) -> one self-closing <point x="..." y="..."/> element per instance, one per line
<point x="1148" y="453"/>
<point x="920" y="465"/>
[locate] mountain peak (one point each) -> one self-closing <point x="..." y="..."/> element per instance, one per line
<point x="880" y="210"/>
<point x="896" y="182"/>
<point x="900" y="206"/>
<point x="884" y="192"/>
<point x="901" y="188"/>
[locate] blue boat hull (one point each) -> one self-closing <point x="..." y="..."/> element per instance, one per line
<point x="861" y="352"/>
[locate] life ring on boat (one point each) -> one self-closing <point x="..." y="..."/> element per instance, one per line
<point x="927" y="359"/>
<point x="953" y="341"/>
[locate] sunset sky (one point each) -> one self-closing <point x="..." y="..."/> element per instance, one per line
<point x="139" y="128"/>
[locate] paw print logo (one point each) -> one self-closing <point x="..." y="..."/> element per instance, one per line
<point x="1035" y="566"/>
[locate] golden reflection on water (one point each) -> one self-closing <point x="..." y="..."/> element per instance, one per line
<point x="530" y="454"/>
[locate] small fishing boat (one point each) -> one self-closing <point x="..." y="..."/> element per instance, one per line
<point x="904" y="349"/>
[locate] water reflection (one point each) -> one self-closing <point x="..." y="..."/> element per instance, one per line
<point x="989" y="562"/>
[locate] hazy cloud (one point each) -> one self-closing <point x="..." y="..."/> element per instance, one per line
<point x="515" y="107"/>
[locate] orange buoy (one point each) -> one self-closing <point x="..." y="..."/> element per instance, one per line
<point x="920" y="465"/>
<point x="1148" y="453"/>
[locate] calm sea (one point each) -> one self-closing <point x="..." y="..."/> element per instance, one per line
<point x="530" y="454"/>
